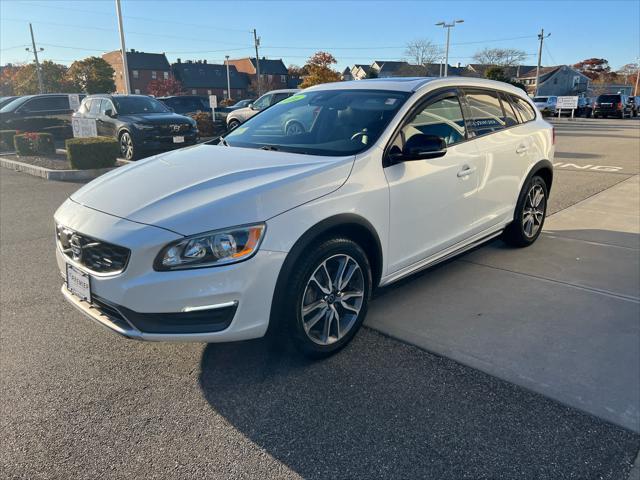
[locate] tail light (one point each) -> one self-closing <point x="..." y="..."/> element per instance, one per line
<point x="620" y="106"/>
<point x="553" y="135"/>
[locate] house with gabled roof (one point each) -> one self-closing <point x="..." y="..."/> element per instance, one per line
<point x="558" y="80"/>
<point x="273" y="72"/>
<point x="143" y="68"/>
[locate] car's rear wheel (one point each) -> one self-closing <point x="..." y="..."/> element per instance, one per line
<point x="233" y="124"/>
<point x="127" y="148"/>
<point x="328" y="297"/>
<point x="531" y="211"/>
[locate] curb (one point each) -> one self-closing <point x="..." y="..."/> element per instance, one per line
<point x="58" y="175"/>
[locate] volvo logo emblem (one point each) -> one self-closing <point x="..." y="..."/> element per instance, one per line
<point x="76" y="247"/>
<point x="176" y="128"/>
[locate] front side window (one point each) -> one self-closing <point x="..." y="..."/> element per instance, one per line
<point x="105" y="105"/>
<point x="442" y="118"/>
<point x="332" y="122"/>
<point x="127" y="105"/>
<point x="486" y="112"/>
<point x="263" y="102"/>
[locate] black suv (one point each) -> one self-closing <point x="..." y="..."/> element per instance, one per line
<point x="48" y="113"/>
<point x="612" y="105"/>
<point x="140" y="123"/>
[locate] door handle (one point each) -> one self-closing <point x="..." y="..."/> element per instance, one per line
<point x="466" y="171"/>
<point x="521" y="149"/>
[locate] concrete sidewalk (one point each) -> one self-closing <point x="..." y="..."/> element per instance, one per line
<point x="561" y="317"/>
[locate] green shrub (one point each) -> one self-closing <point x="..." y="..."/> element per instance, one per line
<point x="92" y="152"/>
<point x="34" y="143"/>
<point x="6" y="139"/>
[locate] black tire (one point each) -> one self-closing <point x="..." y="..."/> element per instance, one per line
<point x="233" y="124"/>
<point x="128" y="150"/>
<point x="294" y="128"/>
<point x="522" y="233"/>
<point x="303" y="291"/>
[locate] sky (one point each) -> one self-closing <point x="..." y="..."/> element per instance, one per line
<point x="353" y="31"/>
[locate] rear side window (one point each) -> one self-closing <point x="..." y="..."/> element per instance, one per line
<point x="510" y="117"/>
<point x="523" y="108"/>
<point x="44" y="104"/>
<point x="486" y="112"/>
<point x="280" y="96"/>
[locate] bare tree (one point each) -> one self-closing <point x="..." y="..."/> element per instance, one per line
<point x="423" y="51"/>
<point x="500" y="56"/>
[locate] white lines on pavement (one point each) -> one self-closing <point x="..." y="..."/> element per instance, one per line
<point x="594" y="168"/>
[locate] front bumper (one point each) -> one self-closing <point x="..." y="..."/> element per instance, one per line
<point x="143" y="304"/>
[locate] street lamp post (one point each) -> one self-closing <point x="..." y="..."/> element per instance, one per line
<point x="226" y="57"/>
<point x="448" y="26"/>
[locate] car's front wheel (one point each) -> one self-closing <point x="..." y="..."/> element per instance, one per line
<point x="127" y="148"/>
<point x="531" y="211"/>
<point x="233" y="124"/>
<point x="328" y="296"/>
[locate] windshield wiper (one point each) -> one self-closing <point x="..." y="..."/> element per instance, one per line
<point x="273" y="148"/>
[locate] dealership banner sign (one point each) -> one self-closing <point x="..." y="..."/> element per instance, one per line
<point x="84" y="127"/>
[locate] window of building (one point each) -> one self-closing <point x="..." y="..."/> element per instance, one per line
<point x="137" y="91"/>
<point x="486" y="112"/>
<point x="194" y="91"/>
<point x="283" y="78"/>
<point x="270" y="77"/>
<point x="166" y="75"/>
<point x="154" y="75"/>
<point x="209" y="92"/>
<point x="136" y="74"/>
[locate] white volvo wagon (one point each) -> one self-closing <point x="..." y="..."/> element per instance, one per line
<point x="290" y="230"/>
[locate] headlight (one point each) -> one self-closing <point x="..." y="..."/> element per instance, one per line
<point x="143" y="126"/>
<point x="210" y="249"/>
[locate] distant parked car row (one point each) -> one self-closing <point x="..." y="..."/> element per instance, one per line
<point x="607" y="105"/>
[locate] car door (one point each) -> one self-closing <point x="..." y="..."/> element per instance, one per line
<point x="106" y="125"/>
<point x="504" y="147"/>
<point x="432" y="200"/>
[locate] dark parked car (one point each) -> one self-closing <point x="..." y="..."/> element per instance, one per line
<point x="5" y="100"/>
<point x="140" y="123"/>
<point x="612" y="105"/>
<point x="48" y="113"/>
<point x="184" y="104"/>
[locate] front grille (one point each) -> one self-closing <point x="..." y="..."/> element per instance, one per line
<point x="96" y="255"/>
<point x="174" y="129"/>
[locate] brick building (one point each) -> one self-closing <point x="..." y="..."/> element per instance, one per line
<point x="143" y="68"/>
<point x="273" y="73"/>
<point x="202" y="78"/>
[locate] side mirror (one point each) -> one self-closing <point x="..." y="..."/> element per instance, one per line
<point x="251" y="106"/>
<point x="421" y="147"/>
<point x="109" y="113"/>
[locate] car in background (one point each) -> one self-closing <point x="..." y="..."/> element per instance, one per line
<point x="612" y="105"/>
<point x="5" y="100"/>
<point x="184" y="104"/>
<point x="141" y="124"/>
<point x="46" y="113"/>
<point x="241" y="115"/>
<point x="241" y="104"/>
<point x="260" y="230"/>
<point x="546" y="105"/>
<point x="634" y="104"/>
<point x="584" y="107"/>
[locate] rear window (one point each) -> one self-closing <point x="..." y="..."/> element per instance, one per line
<point x="608" y="98"/>
<point x="523" y="108"/>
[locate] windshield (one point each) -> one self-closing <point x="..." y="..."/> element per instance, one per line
<point x="329" y="122"/>
<point x="15" y="103"/>
<point x="129" y="105"/>
<point x="609" y="98"/>
<point x="540" y="99"/>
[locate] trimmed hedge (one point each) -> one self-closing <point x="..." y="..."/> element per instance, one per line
<point x="92" y="152"/>
<point x="34" y="143"/>
<point x="6" y="139"/>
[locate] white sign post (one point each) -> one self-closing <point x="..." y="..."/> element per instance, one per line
<point x="74" y="102"/>
<point x="213" y="103"/>
<point x="84" y="127"/>
<point x="567" y="102"/>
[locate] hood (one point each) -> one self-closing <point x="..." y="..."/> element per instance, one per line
<point x="208" y="187"/>
<point x="155" y="118"/>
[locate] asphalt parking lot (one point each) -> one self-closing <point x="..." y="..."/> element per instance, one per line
<point x="80" y="402"/>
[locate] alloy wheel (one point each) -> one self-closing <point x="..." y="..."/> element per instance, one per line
<point x="533" y="211"/>
<point x="294" y="128"/>
<point x="126" y="146"/>
<point x="332" y="299"/>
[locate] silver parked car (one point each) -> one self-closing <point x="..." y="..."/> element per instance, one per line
<point x="241" y="115"/>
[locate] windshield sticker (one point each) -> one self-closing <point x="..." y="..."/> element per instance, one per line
<point x="293" y="98"/>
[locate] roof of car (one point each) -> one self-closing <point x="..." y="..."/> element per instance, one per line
<point x="412" y="84"/>
<point x="283" y="90"/>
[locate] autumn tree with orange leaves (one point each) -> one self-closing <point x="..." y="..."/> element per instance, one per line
<point x="318" y="70"/>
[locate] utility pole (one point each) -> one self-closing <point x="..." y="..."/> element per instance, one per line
<point x="123" y="50"/>
<point x="448" y="26"/>
<point x="256" y="41"/>
<point x="228" y="78"/>
<point x="35" y="54"/>
<point x="635" y="90"/>
<point x="541" y="37"/>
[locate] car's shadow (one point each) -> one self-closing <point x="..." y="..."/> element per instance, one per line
<point x="383" y="409"/>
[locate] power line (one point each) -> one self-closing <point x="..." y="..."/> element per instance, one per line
<point x="17" y="46"/>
